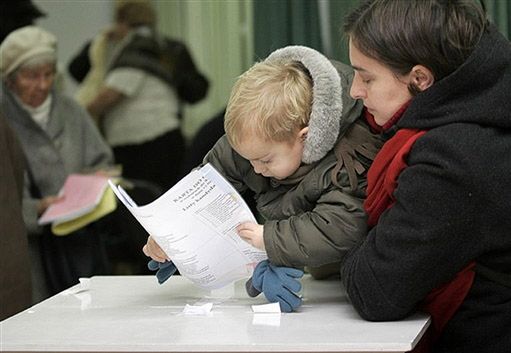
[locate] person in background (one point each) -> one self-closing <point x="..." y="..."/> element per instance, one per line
<point x="58" y="138"/>
<point x="17" y="14"/>
<point x="135" y="90"/>
<point x="297" y="141"/>
<point x="435" y="78"/>
<point x="15" y="282"/>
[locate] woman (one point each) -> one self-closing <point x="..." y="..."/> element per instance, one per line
<point x="435" y="78"/>
<point x="58" y="138"/>
<point x="147" y="78"/>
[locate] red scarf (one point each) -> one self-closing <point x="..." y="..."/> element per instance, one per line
<point x="382" y="180"/>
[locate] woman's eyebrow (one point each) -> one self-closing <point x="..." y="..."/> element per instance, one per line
<point x="358" y="68"/>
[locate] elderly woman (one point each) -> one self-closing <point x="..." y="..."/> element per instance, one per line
<point x="58" y="138"/>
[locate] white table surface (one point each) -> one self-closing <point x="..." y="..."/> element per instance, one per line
<point x="135" y="314"/>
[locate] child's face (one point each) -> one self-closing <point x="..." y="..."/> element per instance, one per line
<point x="277" y="160"/>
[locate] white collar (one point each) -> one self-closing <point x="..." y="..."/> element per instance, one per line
<point x="40" y="114"/>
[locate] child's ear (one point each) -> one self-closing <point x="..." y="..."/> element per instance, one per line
<point x="302" y="134"/>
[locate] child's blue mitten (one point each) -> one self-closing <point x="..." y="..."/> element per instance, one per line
<point x="279" y="284"/>
<point x="163" y="269"/>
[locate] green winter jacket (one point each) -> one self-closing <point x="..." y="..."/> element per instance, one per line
<point x="314" y="219"/>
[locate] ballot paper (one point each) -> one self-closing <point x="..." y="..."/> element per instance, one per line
<point x="81" y="193"/>
<point x="195" y="224"/>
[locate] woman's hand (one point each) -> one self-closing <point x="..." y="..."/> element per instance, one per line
<point x="252" y="233"/>
<point x="110" y="172"/>
<point x="153" y="250"/>
<point x="46" y="202"/>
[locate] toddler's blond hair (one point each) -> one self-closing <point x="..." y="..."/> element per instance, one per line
<point x="271" y="100"/>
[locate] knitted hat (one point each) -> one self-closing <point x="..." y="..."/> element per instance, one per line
<point x="25" y="44"/>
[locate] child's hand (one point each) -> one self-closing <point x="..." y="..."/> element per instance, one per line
<point x="153" y="250"/>
<point x="279" y="284"/>
<point x="252" y="233"/>
<point x="163" y="270"/>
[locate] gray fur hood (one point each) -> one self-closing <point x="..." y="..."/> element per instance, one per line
<point x="333" y="110"/>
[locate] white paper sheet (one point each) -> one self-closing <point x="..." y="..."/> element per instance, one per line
<point x="271" y="308"/>
<point x="199" y="310"/>
<point x="195" y="224"/>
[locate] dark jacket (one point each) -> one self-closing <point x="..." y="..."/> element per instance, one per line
<point x="165" y="58"/>
<point x="15" y="282"/>
<point x="453" y="205"/>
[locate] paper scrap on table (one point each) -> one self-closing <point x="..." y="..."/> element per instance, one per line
<point x="266" y="319"/>
<point x="85" y="300"/>
<point x="84" y="285"/>
<point x="266" y="308"/>
<point x="204" y="309"/>
<point x="80" y="292"/>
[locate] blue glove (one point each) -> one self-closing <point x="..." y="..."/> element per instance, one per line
<point x="163" y="269"/>
<point x="279" y="284"/>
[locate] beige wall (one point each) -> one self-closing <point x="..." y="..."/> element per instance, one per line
<point x="219" y="35"/>
<point x="73" y="22"/>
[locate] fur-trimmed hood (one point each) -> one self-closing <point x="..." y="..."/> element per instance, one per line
<point x="333" y="110"/>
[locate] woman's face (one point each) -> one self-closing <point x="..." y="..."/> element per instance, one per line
<point x="381" y="90"/>
<point x="33" y="84"/>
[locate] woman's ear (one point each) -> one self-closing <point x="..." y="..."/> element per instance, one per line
<point x="422" y="77"/>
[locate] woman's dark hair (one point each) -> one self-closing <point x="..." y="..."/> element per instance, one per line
<point x="439" y="34"/>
